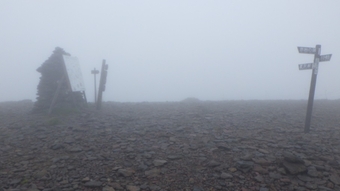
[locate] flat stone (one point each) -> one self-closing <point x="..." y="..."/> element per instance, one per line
<point x="335" y="179"/>
<point x="260" y="169"/>
<point x="57" y="146"/>
<point x="33" y="189"/>
<point x="213" y="163"/>
<point x="40" y="174"/>
<point x="264" y="189"/>
<point x="223" y="147"/>
<point x="232" y="169"/>
<point x="15" y="181"/>
<point x="259" y="178"/>
<point x="197" y="188"/>
<point x="75" y="149"/>
<point x="93" y="184"/>
<point x="263" y="151"/>
<point x="312" y="172"/>
<point x="247" y="157"/>
<point x="226" y="175"/>
<point x="311" y="186"/>
<point x="131" y="139"/>
<point x="305" y="178"/>
<point x="274" y="175"/>
<point x="126" y="172"/>
<point x="174" y="157"/>
<point x="108" y="189"/>
<point x="132" y="188"/>
<point x="323" y="188"/>
<point x="245" y="164"/>
<point x="294" y="168"/>
<point x="117" y="186"/>
<point x="261" y="161"/>
<point x="152" y="173"/>
<point x="289" y="157"/>
<point x="154" y="187"/>
<point x="159" y="162"/>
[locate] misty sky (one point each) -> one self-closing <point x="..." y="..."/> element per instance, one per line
<point x="171" y="50"/>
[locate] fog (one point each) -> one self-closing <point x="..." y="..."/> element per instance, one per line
<point x="171" y="50"/>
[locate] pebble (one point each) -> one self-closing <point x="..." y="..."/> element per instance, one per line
<point x="93" y="184"/>
<point x="126" y="172"/>
<point x="159" y="162"/>
<point x="226" y="175"/>
<point x="132" y="188"/>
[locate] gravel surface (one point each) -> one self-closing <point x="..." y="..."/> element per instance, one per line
<point x="189" y="145"/>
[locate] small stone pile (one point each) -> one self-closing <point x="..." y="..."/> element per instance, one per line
<point x="52" y="71"/>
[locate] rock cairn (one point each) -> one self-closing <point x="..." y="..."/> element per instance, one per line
<point x="52" y="71"/>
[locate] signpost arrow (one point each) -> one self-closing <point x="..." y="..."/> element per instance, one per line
<point x="326" y="57"/>
<point x="306" y="66"/>
<point x="315" y="66"/>
<point x="307" y="50"/>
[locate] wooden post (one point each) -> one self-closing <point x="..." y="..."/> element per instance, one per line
<point x="315" y="66"/>
<point x="312" y="89"/>
<point x="102" y="82"/>
<point x="95" y="72"/>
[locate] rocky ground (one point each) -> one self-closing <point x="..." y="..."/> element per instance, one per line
<point x="189" y="145"/>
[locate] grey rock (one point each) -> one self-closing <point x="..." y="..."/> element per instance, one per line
<point x="117" y="186"/>
<point x="247" y="157"/>
<point x="311" y="186"/>
<point x="223" y="147"/>
<point x="323" y="188"/>
<point x="154" y="188"/>
<point x="132" y="188"/>
<point x="40" y="174"/>
<point x="264" y="189"/>
<point x="312" y="172"/>
<point x="274" y="175"/>
<point x="245" y="166"/>
<point x="174" y="157"/>
<point x="15" y="181"/>
<point x="152" y="173"/>
<point x="142" y="167"/>
<point x="305" y="178"/>
<point x="289" y="157"/>
<point x="226" y="175"/>
<point x="93" y="184"/>
<point x="213" y="163"/>
<point x="259" y="178"/>
<point x="75" y="149"/>
<point x="335" y="179"/>
<point x="108" y="189"/>
<point x="294" y="168"/>
<point x="126" y="172"/>
<point x="57" y="146"/>
<point x="197" y="188"/>
<point x="159" y="162"/>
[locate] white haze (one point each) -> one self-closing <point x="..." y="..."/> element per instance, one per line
<point x="171" y="50"/>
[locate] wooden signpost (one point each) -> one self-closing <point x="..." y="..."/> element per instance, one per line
<point x="102" y="83"/>
<point x="95" y="72"/>
<point x="315" y="66"/>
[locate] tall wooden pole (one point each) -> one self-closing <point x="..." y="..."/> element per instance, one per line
<point x="102" y="83"/>
<point x="95" y="72"/>
<point x="315" y="66"/>
<point x="312" y="88"/>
